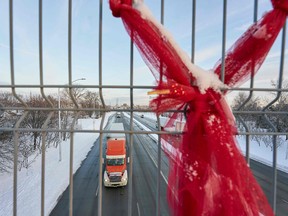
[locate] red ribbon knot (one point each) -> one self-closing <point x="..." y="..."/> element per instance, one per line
<point x="116" y="6"/>
<point x="281" y="5"/>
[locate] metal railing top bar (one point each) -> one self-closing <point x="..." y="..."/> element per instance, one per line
<point x="259" y="89"/>
<point x="79" y="86"/>
<point x="134" y="110"/>
<point x="85" y="109"/>
<point x="255" y="89"/>
<point x="261" y="112"/>
<point x="127" y="131"/>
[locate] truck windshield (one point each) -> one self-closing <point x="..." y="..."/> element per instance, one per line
<point x="115" y="162"/>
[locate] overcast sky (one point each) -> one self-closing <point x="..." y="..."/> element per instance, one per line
<point x="116" y="43"/>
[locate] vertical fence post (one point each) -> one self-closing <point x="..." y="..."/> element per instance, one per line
<point x="104" y="106"/>
<point x="131" y="146"/>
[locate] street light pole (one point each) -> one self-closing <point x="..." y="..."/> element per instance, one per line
<point x="59" y="118"/>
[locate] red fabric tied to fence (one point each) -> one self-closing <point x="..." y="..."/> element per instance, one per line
<point x="208" y="175"/>
<point x="249" y="51"/>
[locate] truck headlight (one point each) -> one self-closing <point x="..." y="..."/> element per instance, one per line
<point x="106" y="178"/>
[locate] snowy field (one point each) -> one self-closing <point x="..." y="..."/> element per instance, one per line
<point x="264" y="154"/>
<point x="57" y="173"/>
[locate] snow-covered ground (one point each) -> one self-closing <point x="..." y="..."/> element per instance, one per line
<point x="57" y="173"/>
<point x="264" y="154"/>
<point x="257" y="152"/>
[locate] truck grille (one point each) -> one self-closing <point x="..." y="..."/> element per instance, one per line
<point x="115" y="178"/>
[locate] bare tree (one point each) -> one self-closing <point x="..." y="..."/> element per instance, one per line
<point x="6" y="151"/>
<point x="252" y="105"/>
<point x="36" y="118"/>
<point x="91" y="100"/>
<point x="67" y="102"/>
<point x="259" y="123"/>
<point x="7" y="99"/>
<point x="28" y="142"/>
<point x="77" y="93"/>
<point x="84" y="98"/>
<point x="7" y="119"/>
<point x="281" y="121"/>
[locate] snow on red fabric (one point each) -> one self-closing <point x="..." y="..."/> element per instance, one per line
<point x="249" y="51"/>
<point x="209" y="175"/>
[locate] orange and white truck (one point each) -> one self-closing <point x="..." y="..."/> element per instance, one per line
<point x="115" y="174"/>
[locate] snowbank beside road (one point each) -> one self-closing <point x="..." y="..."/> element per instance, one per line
<point x="56" y="174"/>
<point x="258" y="152"/>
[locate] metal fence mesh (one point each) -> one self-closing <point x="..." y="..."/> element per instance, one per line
<point x="53" y="109"/>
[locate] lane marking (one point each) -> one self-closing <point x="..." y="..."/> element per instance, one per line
<point x="155" y="163"/>
<point x="165" y="179"/>
<point x="138" y="209"/>
<point x="96" y="194"/>
<point x="285" y="201"/>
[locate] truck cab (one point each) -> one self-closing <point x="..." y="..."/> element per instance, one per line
<point x="115" y="174"/>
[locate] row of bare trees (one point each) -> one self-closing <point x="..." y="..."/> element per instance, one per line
<point x="29" y="142"/>
<point x="276" y="113"/>
<point x="86" y="99"/>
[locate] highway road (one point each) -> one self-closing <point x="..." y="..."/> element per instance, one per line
<point x="263" y="174"/>
<point x="115" y="200"/>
